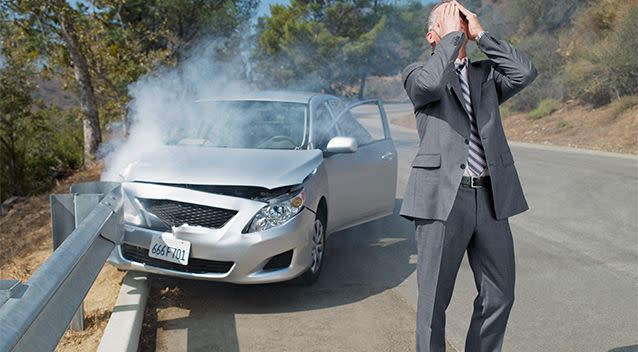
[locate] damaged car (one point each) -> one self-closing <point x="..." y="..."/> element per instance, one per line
<point x="249" y="188"/>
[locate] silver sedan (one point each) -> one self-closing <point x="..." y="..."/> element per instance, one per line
<point x="248" y="189"/>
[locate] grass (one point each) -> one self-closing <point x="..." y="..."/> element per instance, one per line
<point x="563" y="124"/>
<point x="624" y="103"/>
<point x="545" y="107"/>
<point x="506" y="111"/>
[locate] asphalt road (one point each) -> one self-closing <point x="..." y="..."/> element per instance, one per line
<point x="577" y="274"/>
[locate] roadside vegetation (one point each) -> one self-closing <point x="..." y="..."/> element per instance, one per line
<point x="65" y="67"/>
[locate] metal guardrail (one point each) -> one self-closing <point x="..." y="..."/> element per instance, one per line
<point x="35" y="314"/>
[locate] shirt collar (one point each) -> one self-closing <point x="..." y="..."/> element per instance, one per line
<point x="464" y="61"/>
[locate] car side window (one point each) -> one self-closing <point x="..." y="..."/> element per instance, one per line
<point x="348" y="125"/>
<point x="324" y="127"/>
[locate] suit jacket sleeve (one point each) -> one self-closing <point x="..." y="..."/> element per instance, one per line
<point x="513" y="70"/>
<point x="423" y="81"/>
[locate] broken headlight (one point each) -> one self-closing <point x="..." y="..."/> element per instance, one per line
<point x="131" y="212"/>
<point x="278" y="211"/>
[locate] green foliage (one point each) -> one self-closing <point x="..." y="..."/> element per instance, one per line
<point x="602" y="62"/>
<point x="120" y="41"/>
<point x="36" y="144"/>
<point x="583" y="50"/>
<point x="545" y="107"/>
<point x="549" y="63"/>
<point x="331" y="46"/>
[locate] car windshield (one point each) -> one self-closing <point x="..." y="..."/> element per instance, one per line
<point x="241" y="124"/>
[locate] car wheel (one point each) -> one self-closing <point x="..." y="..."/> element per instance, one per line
<point x="317" y="251"/>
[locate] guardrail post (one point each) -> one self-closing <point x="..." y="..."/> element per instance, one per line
<point x="67" y="212"/>
<point x="35" y="314"/>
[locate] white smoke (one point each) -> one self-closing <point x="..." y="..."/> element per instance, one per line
<point x="166" y="99"/>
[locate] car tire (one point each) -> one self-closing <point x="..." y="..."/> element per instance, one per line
<point x="318" y="251"/>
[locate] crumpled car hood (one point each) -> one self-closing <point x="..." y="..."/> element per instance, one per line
<point x="269" y="168"/>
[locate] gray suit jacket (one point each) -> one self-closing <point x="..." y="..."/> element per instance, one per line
<point x="444" y="127"/>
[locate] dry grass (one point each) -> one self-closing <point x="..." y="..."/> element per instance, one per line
<point x="25" y="236"/>
<point x="608" y="128"/>
<point x="579" y="127"/>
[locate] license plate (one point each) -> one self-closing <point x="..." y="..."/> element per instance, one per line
<point x="166" y="247"/>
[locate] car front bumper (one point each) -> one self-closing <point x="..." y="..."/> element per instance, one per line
<point x="245" y="254"/>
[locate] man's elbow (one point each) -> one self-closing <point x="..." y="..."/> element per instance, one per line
<point x="529" y="74"/>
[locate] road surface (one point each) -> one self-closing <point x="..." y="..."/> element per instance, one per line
<point x="577" y="274"/>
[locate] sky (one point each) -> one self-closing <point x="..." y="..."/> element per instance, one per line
<point x="264" y="6"/>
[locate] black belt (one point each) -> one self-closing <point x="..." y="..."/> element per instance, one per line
<point x="475" y="182"/>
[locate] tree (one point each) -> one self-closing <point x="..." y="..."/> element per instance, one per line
<point x="51" y="27"/>
<point x="108" y="44"/>
<point x="323" y="45"/>
<point x="37" y="143"/>
<point x="15" y="104"/>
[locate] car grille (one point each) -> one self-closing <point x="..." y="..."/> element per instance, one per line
<point x="195" y="266"/>
<point x="173" y="213"/>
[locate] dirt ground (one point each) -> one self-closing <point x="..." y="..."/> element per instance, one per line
<point x="572" y="126"/>
<point x="25" y="236"/>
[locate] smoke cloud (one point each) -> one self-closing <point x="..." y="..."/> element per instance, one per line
<point x="166" y="101"/>
<point x="173" y="107"/>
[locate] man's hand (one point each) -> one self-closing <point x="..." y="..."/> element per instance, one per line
<point x="450" y="19"/>
<point x="473" y="25"/>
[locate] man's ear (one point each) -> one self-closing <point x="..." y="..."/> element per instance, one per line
<point x="430" y="38"/>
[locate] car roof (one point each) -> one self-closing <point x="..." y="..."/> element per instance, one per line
<point x="269" y="95"/>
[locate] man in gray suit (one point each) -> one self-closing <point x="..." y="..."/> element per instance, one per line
<point x="463" y="184"/>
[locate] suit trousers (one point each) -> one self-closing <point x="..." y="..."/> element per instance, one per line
<point x="472" y="227"/>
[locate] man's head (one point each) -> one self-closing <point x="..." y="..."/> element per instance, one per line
<point x="433" y="32"/>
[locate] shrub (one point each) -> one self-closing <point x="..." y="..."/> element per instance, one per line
<point x="545" y="107"/>
<point x="624" y="103"/>
<point x="563" y="124"/>
<point x="603" y="67"/>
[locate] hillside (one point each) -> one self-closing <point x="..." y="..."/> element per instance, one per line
<point x="572" y="125"/>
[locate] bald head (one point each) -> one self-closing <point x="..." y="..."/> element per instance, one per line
<point x="444" y="18"/>
<point x="434" y="15"/>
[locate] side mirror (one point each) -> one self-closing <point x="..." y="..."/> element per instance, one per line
<point x="342" y="145"/>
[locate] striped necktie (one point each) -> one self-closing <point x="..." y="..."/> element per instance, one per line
<point x="476" y="159"/>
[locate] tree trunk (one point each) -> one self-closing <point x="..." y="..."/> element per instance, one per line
<point x="362" y="86"/>
<point x="11" y="155"/>
<point x="88" y="104"/>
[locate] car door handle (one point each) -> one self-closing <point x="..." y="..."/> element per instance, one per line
<point x="387" y="156"/>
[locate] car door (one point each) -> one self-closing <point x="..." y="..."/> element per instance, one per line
<point x="324" y="128"/>
<point x="362" y="185"/>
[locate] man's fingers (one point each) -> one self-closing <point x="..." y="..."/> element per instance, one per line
<point x="462" y="8"/>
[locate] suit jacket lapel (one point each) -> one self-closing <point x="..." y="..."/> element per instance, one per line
<point x="459" y="122"/>
<point x="455" y="85"/>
